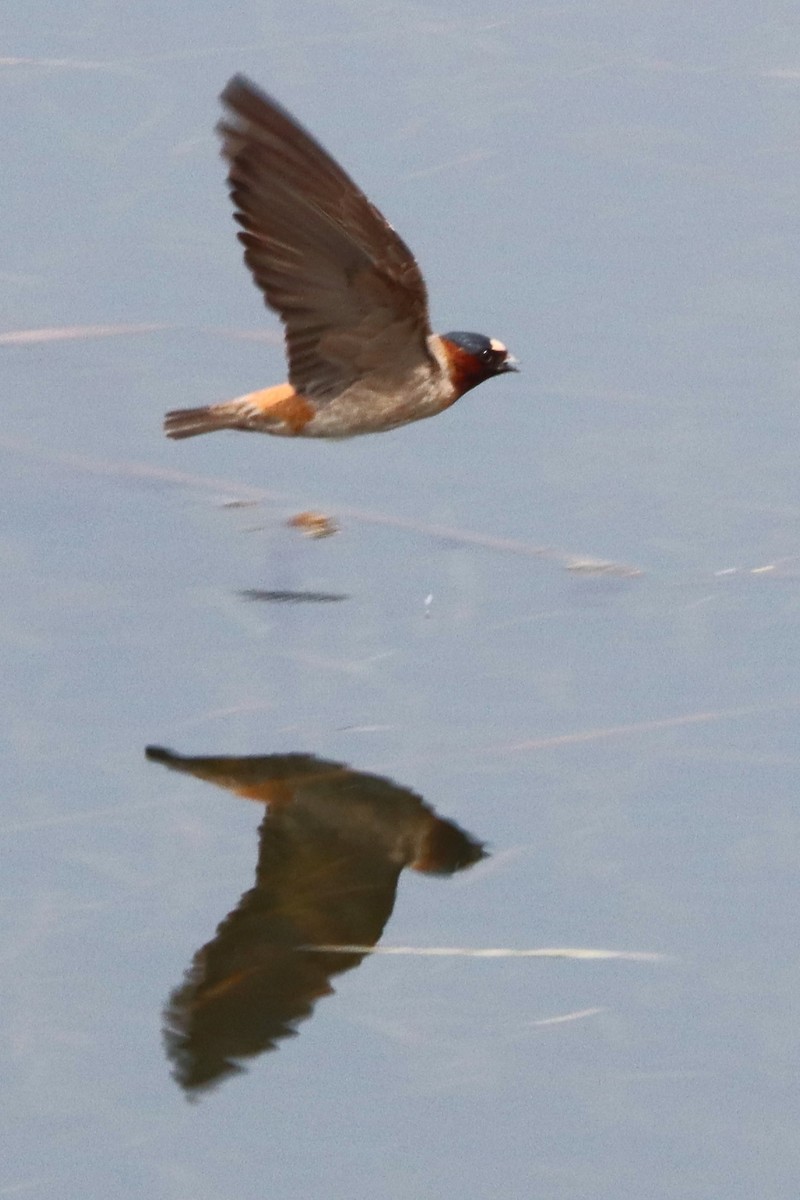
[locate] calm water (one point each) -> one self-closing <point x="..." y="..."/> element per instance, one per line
<point x="613" y="191"/>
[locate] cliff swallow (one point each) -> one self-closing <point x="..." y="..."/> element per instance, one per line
<point x="362" y="357"/>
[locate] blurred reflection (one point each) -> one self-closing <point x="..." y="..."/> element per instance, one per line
<point x="331" y="848"/>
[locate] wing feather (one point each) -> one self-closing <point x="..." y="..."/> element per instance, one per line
<point x="345" y="285"/>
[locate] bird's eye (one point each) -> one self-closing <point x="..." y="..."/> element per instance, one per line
<point x="487" y="355"/>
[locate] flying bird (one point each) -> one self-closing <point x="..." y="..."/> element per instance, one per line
<point x="362" y="356"/>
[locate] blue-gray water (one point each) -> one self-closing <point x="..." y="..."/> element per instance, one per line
<point x="613" y="191"/>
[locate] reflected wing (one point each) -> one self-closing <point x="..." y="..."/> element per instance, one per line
<point x="249" y="988"/>
<point x="346" y="287"/>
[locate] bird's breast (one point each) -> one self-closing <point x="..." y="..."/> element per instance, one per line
<point x="376" y="405"/>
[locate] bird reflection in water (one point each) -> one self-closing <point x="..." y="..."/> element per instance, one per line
<point x="331" y="848"/>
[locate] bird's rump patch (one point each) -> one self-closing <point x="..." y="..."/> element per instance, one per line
<point x="280" y="405"/>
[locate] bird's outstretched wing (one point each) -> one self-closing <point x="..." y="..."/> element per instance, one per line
<point x="345" y="285"/>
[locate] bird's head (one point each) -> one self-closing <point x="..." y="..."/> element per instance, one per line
<point x="472" y="358"/>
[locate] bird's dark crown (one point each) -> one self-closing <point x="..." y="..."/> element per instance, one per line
<point x="470" y="343"/>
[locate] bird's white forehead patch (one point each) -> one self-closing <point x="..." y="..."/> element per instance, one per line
<point x="498" y="347"/>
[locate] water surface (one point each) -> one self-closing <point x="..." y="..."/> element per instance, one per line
<point x="613" y="192"/>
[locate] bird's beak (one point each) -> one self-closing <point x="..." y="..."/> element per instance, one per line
<point x="511" y="363"/>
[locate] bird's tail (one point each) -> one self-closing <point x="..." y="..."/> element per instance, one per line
<point x="188" y="422"/>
